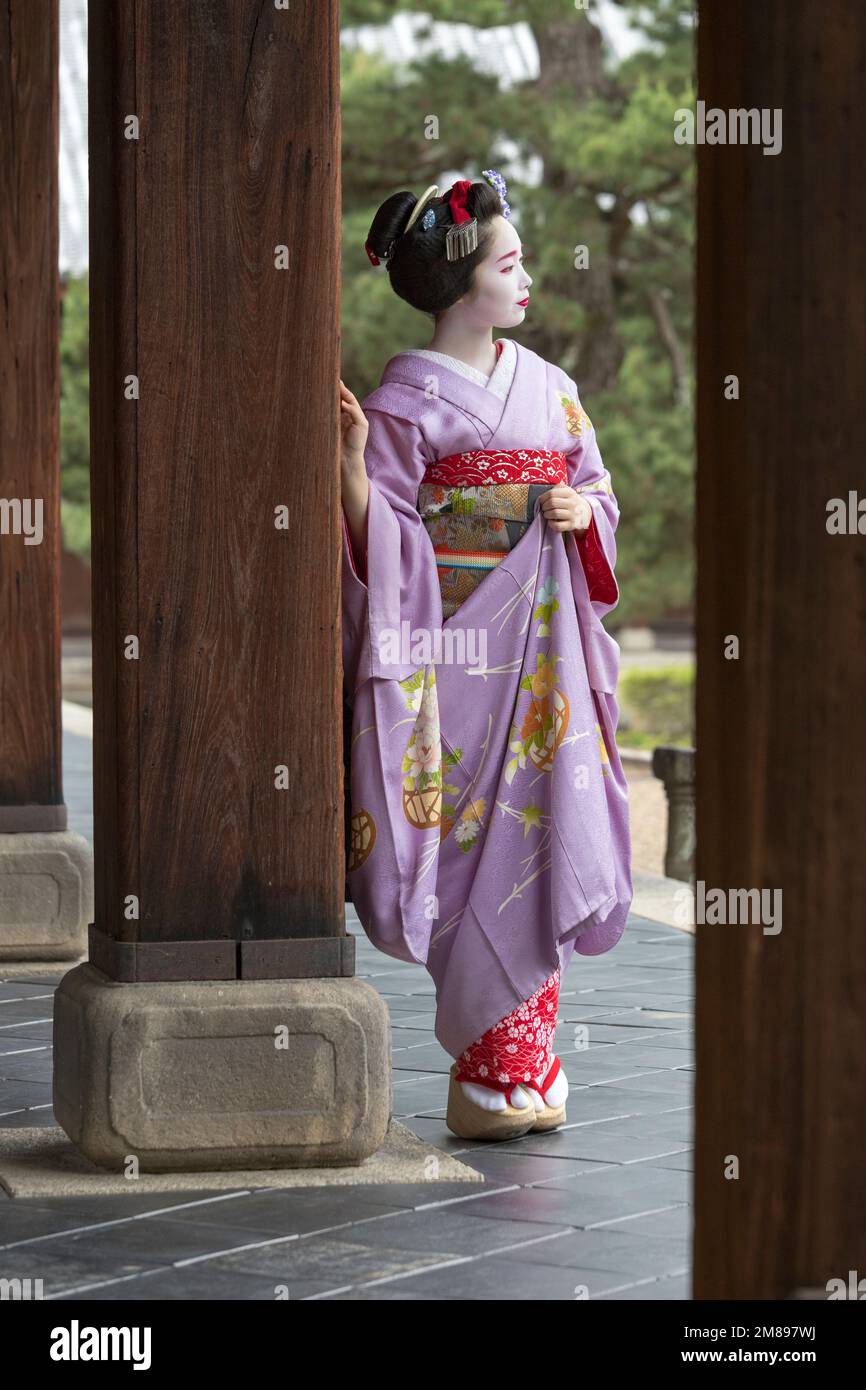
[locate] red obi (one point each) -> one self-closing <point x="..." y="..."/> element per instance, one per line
<point x="480" y="467"/>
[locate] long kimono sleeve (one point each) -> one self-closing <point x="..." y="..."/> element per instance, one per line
<point x="399" y="582"/>
<point x="359" y="564"/>
<point x="592" y="556"/>
<point x="597" y="546"/>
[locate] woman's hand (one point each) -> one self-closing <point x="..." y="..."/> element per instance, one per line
<point x="354" y="485"/>
<point x="565" y="510"/>
<point x="354" y="429"/>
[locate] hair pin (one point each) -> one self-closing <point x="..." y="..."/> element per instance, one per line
<point x="419" y="207"/>
<point x="461" y="240"/>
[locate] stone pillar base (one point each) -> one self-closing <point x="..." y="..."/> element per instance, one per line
<point x="676" y="768"/>
<point x="46" y="895"/>
<point x="221" y="1074"/>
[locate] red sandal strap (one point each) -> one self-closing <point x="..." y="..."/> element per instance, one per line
<point x="505" y="1087"/>
<point x="555" y="1069"/>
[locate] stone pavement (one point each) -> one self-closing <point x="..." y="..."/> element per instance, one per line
<point x="598" y="1209"/>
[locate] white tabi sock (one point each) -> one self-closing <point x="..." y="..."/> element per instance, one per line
<point x="489" y="1099"/>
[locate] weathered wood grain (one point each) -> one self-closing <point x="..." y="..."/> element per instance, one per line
<point x="238" y="622"/>
<point x="31" y="792"/>
<point x="781" y="732"/>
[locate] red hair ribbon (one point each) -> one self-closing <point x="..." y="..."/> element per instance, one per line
<point x="457" y="200"/>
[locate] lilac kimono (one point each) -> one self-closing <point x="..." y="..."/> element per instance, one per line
<point x="490" y="828"/>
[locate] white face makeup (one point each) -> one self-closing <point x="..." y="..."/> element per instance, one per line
<point x="500" y="282"/>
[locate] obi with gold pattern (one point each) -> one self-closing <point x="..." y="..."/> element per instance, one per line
<point x="476" y="506"/>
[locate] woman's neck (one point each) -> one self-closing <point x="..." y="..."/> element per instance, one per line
<point x="475" y="349"/>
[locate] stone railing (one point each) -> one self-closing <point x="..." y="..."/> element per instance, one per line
<point x="675" y="767"/>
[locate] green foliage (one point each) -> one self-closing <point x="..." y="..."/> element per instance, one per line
<point x="613" y="181"/>
<point x="648" y="447"/>
<point x="75" y="418"/>
<point x="657" y="706"/>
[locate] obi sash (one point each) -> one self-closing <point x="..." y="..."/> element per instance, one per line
<point x="476" y="506"/>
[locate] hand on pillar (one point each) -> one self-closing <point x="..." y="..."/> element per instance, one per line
<point x="355" y="487"/>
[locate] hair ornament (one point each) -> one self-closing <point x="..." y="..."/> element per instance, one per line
<point x="419" y="207"/>
<point x="496" y="181"/>
<point x="462" y="238"/>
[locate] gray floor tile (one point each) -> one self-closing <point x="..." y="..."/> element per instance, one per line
<point x="639" y="1183"/>
<point x="25" y="1011"/>
<point x="201" y="1282"/>
<point x="660" y="1290"/>
<point x="684" y="1161"/>
<point x="14" y="991"/>
<point x="523" y="1168"/>
<point x="15" y="1094"/>
<point x="332" y="1262"/>
<point x="633" y="1257"/>
<point x="300" y="1211"/>
<point x="26" y="1066"/>
<point x="674" y="1224"/>
<point x="65" y="1263"/>
<point x="29" y="1117"/>
<point x="676" y="1127"/>
<point x="448" y="1231"/>
<point x="430" y="1058"/>
<point x="594" y="1142"/>
<point x="504" y="1278"/>
<point x="419" y="1196"/>
<point x="24" y="1032"/>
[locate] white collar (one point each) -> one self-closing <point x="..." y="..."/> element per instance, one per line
<point x="500" y="379"/>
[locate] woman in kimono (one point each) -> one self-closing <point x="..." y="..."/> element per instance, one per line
<point x="489" y="831"/>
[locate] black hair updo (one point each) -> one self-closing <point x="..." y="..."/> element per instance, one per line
<point x="419" y="269"/>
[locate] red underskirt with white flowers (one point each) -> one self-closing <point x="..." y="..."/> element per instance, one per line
<point x="519" y="1048"/>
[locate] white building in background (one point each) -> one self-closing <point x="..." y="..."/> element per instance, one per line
<point x="508" y="52"/>
<point x="73" y="137"/>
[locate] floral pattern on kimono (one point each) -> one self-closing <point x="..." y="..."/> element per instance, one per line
<point x="489" y="874"/>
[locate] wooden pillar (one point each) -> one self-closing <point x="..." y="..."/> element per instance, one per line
<point x="233" y="617"/>
<point x="781" y="730"/>
<point x="218" y="800"/>
<point x="31" y="792"/>
<point x="45" y="872"/>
